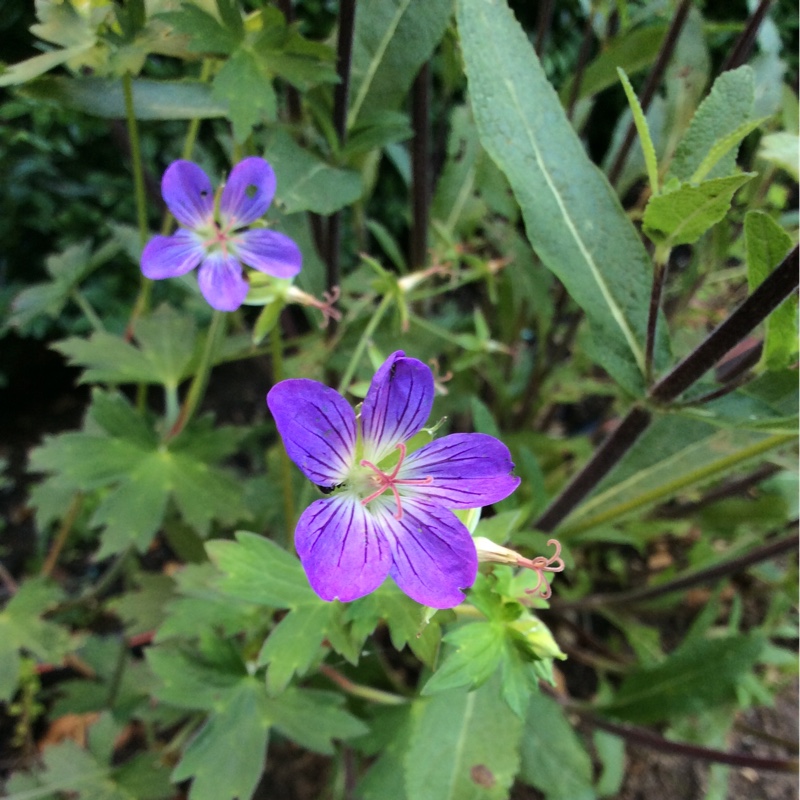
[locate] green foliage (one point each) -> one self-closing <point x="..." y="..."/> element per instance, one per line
<point x="191" y="652"/>
<point x="766" y="245"/>
<point x="700" y="675"/>
<point x="23" y="629"/>
<point x="118" y="452"/>
<point x="553" y="758"/>
<point x="573" y="219"/>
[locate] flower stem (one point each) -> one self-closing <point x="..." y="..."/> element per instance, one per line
<point x="88" y="311"/>
<point x="287" y="486"/>
<point x="198" y="387"/>
<point x="62" y="535"/>
<point x="362" y="342"/>
<point x="359" y="690"/>
<point x="136" y="158"/>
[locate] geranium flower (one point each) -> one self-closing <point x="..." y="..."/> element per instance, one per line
<point x="217" y="239"/>
<point x="389" y="511"/>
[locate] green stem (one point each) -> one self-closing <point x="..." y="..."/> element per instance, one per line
<point x="286" y="465"/>
<point x="63" y="534"/>
<point x="194" y="124"/>
<point x="670" y="488"/>
<point x="198" y="387"/>
<point x="88" y="311"/>
<point x="143" y="299"/>
<point x="362" y="342"/>
<point x="172" y="405"/>
<point x="136" y="158"/>
<point x="359" y="690"/>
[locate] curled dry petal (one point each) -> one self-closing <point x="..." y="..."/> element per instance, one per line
<point x="318" y="429"/>
<point x="188" y="193"/>
<point x="397" y="405"/>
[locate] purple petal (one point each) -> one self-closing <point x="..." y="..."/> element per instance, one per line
<point x="468" y="470"/>
<point x="170" y="256"/>
<point x="270" y="252"/>
<point x="188" y="193"/>
<point x="397" y="404"/>
<point x="318" y="429"/>
<point x="342" y="548"/>
<point x="221" y="282"/>
<point x="248" y="192"/>
<point x="434" y="555"/>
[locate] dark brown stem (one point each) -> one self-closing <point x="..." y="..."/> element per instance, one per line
<point x="580" y="67"/>
<point x="293" y="108"/>
<point x="655" y="741"/>
<point x="729" y="489"/>
<point x="738" y="365"/>
<point x="420" y="179"/>
<point x="650" y="86"/>
<point x="708" y="575"/>
<point x="344" y="53"/>
<point x="659" y="279"/>
<point x="744" y="44"/>
<point x="543" y="23"/>
<point x="781" y="282"/>
<point x="607" y="455"/>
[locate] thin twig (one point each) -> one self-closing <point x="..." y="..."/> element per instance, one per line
<point x="655" y="741"/>
<point x="543" y="23"/>
<point x="7" y="579"/>
<point x="580" y="67"/>
<point x="292" y="95"/>
<point x="744" y="44"/>
<point x="661" y="268"/>
<point x="709" y="575"/>
<point x="344" y="54"/>
<point x="650" y="86"/>
<point x="778" y="285"/>
<point x="607" y="455"/>
<point x="62" y="535"/>
<point x="728" y="489"/>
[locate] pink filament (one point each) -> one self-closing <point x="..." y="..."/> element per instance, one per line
<point x="390" y="481"/>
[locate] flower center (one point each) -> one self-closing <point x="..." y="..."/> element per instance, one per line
<point x="219" y="238"/>
<point x="390" y="480"/>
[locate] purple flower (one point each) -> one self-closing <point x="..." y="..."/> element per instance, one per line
<point x="217" y="240"/>
<point x="390" y="511"/>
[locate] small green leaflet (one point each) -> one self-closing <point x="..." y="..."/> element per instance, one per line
<point x="682" y="213"/>
<point x="766" y="244"/>
<point x="257" y="570"/>
<point x="22" y="628"/>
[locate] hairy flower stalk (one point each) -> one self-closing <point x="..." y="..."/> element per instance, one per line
<point x="388" y="512"/>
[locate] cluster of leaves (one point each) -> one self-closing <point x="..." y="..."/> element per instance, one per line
<point x="220" y="648"/>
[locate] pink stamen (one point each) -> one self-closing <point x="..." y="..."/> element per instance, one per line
<point x="221" y="237"/>
<point x="540" y="565"/>
<point x="391" y="481"/>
